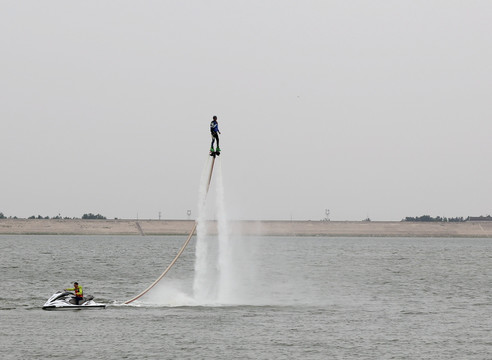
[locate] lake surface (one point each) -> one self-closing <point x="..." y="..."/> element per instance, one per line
<point x="281" y="298"/>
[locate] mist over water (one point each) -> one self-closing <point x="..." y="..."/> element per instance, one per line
<point x="216" y="269"/>
<point x="231" y="269"/>
<point x="224" y="270"/>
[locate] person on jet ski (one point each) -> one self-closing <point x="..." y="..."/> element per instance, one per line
<point x="79" y="294"/>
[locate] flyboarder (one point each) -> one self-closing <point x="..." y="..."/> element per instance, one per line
<point x="214" y="131"/>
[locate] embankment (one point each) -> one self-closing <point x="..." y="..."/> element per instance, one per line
<point x="269" y="228"/>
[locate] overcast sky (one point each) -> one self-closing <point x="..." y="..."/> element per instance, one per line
<point x="378" y="109"/>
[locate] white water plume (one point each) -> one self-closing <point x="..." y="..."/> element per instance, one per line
<point x="224" y="266"/>
<point x="217" y="269"/>
<point x="203" y="287"/>
<point x="224" y="251"/>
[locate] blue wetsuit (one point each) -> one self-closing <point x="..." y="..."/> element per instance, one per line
<point x="214" y="131"/>
<point x="214" y="127"/>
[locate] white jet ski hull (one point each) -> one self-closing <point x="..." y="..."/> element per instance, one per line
<point x="65" y="301"/>
<point x="75" y="307"/>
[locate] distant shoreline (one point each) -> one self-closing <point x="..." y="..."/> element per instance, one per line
<point x="465" y="229"/>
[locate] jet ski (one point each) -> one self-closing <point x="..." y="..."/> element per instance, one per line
<point x="63" y="300"/>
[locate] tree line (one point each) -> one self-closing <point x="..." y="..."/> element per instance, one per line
<point x="89" y="216"/>
<point x="428" y="218"/>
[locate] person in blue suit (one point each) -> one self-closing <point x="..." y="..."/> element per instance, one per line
<point x="214" y="131"/>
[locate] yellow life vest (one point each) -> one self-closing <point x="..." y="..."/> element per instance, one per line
<point x="78" y="291"/>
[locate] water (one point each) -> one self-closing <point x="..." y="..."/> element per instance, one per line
<point x="297" y="298"/>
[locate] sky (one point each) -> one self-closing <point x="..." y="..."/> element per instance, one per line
<point x="371" y="109"/>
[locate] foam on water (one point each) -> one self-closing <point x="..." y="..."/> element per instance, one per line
<point x="169" y="293"/>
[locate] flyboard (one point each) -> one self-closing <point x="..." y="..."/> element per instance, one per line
<point x="183" y="247"/>
<point x="214" y="153"/>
